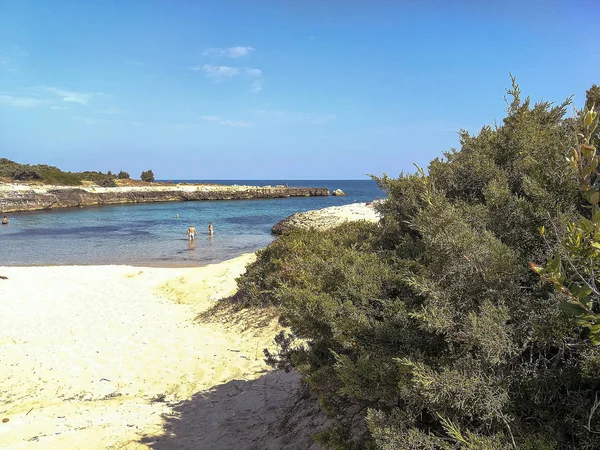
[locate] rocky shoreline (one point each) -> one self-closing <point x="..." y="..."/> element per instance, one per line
<point x="322" y="219"/>
<point x="18" y="198"/>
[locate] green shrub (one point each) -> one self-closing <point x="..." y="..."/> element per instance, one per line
<point x="147" y="176"/>
<point x="107" y="182"/>
<point x="26" y="174"/>
<point x="430" y="331"/>
<point x="52" y="175"/>
<point x="287" y="260"/>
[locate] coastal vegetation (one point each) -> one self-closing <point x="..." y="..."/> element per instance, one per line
<point x="147" y="176"/>
<point x="46" y="174"/>
<point x="430" y="330"/>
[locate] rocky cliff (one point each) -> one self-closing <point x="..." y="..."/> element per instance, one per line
<point x="26" y="198"/>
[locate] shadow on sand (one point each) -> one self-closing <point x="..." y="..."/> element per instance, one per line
<point x="271" y="412"/>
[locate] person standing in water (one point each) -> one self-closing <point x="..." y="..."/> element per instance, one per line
<point x="5" y="220"/>
<point x="210" y="228"/>
<point x="191" y="232"/>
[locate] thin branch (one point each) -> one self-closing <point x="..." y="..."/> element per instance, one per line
<point x="592" y="411"/>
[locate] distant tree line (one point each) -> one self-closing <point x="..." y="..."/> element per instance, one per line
<point x="53" y="175"/>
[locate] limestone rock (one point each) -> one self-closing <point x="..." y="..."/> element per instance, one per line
<point x="338" y="192"/>
<point x="322" y="219"/>
<point x="27" y="198"/>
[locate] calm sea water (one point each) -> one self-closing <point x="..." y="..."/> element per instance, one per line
<point x="148" y="234"/>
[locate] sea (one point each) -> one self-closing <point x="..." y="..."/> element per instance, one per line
<point x="149" y="234"/>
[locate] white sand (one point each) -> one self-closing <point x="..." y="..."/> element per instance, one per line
<point x="84" y="350"/>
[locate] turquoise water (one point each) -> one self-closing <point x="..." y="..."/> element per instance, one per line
<point x="148" y="234"/>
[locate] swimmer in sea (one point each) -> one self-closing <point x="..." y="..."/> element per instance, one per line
<point x="191" y="232"/>
<point x="210" y="228"/>
<point x="5" y="220"/>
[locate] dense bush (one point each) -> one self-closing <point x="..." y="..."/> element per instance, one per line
<point x="123" y="175"/>
<point x="39" y="172"/>
<point x="430" y="331"/>
<point x="99" y="178"/>
<point x="107" y="182"/>
<point x="147" y="176"/>
<point x="289" y="261"/>
<point x="52" y="175"/>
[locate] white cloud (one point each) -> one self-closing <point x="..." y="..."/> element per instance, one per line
<point x="58" y="108"/>
<point x="221" y="73"/>
<point x="81" y="98"/>
<point x="237" y="123"/>
<point x="228" y="123"/>
<point x="231" y="52"/>
<point x="137" y="123"/>
<point x="20" y="102"/>
<point x="217" y="72"/>
<point x="252" y="72"/>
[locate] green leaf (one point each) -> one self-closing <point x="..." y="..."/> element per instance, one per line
<point x="595" y="338"/>
<point x="573" y="309"/>
<point x="554" y="264"/>
<point x="595" y="329"/>
<point x="580" y="291"/>
<point x="588" y="118"/>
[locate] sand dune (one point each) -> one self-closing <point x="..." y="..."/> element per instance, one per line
<point x="99" y="357"/>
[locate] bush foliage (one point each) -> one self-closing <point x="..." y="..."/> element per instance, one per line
<point x="430" y="330"/>
<point x="52" y="175"/>
<point x="147" y="176"/>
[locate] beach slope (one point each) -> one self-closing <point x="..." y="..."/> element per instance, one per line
<point x="102" y="357"/>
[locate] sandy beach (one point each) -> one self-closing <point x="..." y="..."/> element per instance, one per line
<point x="101" y="357"/>
<point x="123" y="357"/>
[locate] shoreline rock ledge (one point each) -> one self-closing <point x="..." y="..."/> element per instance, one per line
<point x="18" y="198"/>
<point x="323" y="219"/>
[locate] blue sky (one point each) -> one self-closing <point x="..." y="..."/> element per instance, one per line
<point x="275" y="89"/>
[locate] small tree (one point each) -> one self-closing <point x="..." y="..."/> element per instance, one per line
<point x="148" y="176"/>
<point x="123" y="175"/>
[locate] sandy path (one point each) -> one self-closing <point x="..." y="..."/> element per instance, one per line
<point x="86" y="352"/>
